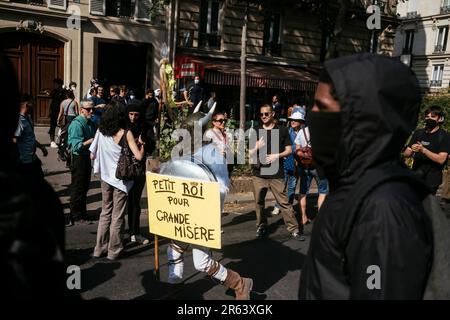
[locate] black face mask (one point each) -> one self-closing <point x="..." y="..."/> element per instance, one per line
<point x="325" y="130"/>
<point x="430" y="124"/>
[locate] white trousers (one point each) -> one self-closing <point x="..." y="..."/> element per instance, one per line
<point x="202" y="262"/>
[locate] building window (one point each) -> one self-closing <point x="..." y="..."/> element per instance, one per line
<point x="36" y="2"/>
<point x="445" y="7"/>
<point x="120" y="8"/>
<point x="438" y="71"/>
<point x="441" y="40"/>
<point x="209" y="24"/>
<point x="272" y="34"/>
<point x="374" y="41"/>
<point x="412" y="9"/>
<point x="409" y="42"/>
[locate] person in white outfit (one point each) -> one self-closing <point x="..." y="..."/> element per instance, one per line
<point x="207" y="161"/>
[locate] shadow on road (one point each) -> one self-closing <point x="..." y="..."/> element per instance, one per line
<point x="248" y="255"/>
<point x="55" y="173"/>
<point x="78" y="256"/>
<point x="97" y="274"/>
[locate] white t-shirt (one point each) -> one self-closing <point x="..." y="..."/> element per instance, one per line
<point x="220" y="141"/>
<point x="301" y="140"/>
<point x="107" y="154"/>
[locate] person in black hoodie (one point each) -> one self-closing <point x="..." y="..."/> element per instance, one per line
<point x="32" y="262"/>
<point x="366" y="106"/>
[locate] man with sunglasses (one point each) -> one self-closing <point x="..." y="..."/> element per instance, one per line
<point x="267" y="151"/>
<point x="81" y="134"/>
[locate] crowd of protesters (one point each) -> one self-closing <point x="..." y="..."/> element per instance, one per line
<point x="98" y="127"/>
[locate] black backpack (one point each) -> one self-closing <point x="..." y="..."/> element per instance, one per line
<point x="438" y="284"/>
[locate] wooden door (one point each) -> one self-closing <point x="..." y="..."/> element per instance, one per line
<point x="38" y="60"/>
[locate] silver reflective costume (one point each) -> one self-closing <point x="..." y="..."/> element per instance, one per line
<point x="207" y="164"/>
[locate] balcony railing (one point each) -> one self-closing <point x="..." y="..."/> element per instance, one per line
<point x="411" y="15"/>
<point x="445" y="9"/>
<point x="209" y="40"/>
<point x="436" y="83"/>
<point x="185" y="38"/>
<point x="120" y="8"/>
<point x="32" y="2"/>
<point x="272" y="49"/>
<point x="439" y="48"/>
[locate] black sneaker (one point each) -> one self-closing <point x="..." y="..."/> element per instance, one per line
<point x="298" y="236"/>
<point x="261" y="232"/>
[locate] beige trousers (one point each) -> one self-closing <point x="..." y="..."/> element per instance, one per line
<point x="111" y="222"/>
<point x="278" y="188"/>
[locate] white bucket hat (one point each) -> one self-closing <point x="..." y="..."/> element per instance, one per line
<point x="297" y="114"/>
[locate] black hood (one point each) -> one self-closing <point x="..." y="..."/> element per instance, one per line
<point x="380" y="102"/>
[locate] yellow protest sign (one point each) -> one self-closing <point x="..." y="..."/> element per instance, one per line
<point x="184" y="209"/>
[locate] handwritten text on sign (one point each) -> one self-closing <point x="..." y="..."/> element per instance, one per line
<point x="184" y="210"/>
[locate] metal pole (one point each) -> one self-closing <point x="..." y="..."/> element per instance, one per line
<point x="158" y="154"/>
<point x="243" y="71"/>
<point x="156" y="272"/>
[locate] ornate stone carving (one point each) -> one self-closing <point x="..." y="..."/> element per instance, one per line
<point x="30" y="26"/>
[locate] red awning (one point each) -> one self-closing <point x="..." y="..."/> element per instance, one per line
<point x="225" y="72"/>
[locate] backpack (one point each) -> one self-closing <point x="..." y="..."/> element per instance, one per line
<point x="304" y="154"/>
<point x="438" y="283"/>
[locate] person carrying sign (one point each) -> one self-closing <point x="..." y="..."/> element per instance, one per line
<point x="211" y="160"/>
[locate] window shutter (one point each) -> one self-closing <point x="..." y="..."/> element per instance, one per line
<point x="444" y="45"/>
<point x="142" y="11"/>
<point x="411" y="42"/>
<point x="203" y="16"/>
<point x="214" y="16"/>
<point x="267" y="25"/>
<point x="97" y="7"/>
<point x="276" y="28"/>
<point x="57" y="4"/>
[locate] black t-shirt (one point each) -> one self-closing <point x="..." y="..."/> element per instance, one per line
<point x="275" y="169"/>
<point x="151" y="111"/>
<point x="278" y="108"/>
<point x="435" y="142"/>
<point x="195" y="94"/>
<point x="57" y="96"/>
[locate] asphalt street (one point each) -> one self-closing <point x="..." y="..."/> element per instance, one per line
<point x="274" y="263"/>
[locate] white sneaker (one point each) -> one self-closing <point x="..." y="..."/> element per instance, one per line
<point x="53" y="145"/>
<point x="139" y="239"/>
<point x="275" y="211"/>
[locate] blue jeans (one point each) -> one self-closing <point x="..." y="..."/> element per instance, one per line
<point x="290" y="182"/>
<point x="306" y="177"/>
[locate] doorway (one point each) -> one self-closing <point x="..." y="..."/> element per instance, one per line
<point x="38" y="60"/>
<point x="124" y="63"/>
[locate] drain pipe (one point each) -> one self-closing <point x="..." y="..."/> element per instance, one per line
<point x="175" y="32"/>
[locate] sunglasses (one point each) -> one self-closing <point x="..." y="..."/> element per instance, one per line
<point x="221" y="120"/>
<point x="89" y="109"/>
<point x="265" y="114"/>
